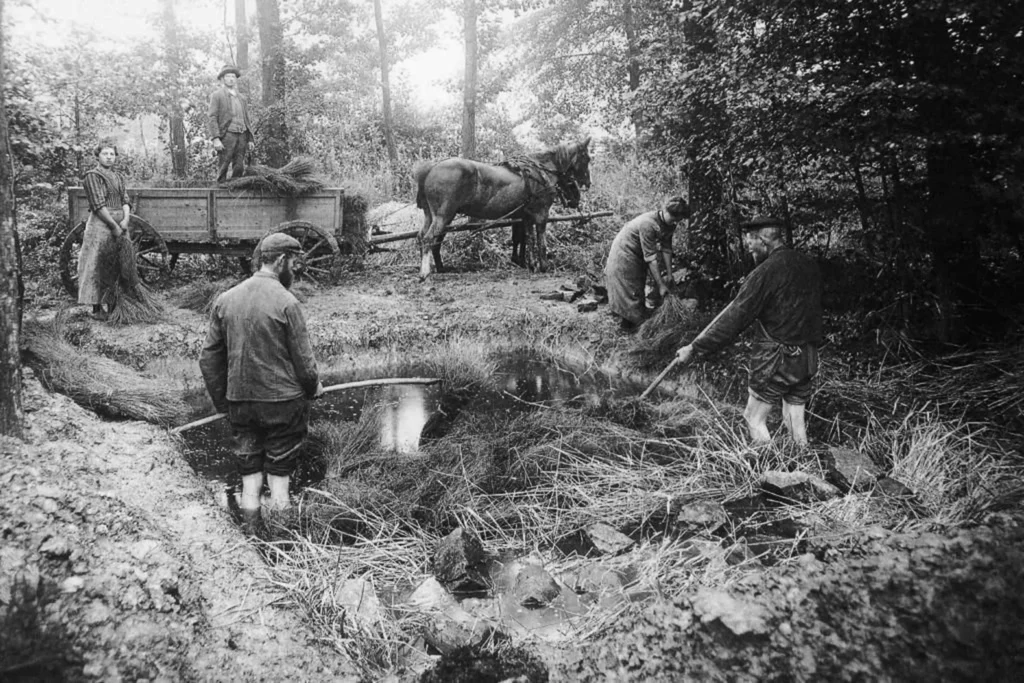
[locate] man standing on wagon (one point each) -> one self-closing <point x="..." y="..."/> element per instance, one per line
<point x="783" y="296"/>
<point x="229" y="125"/>
<point x="258" y="367"/>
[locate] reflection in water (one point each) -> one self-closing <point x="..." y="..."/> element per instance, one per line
<point x="404" y="412"/>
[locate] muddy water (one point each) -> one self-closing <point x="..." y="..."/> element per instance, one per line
<point x="521" y="382"/>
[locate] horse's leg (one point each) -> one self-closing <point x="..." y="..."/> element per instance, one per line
<point x="435" y="249"/>
<point x="542" y="246"/>
<point x="519" y="244"/>
<point x="430" y="238"/>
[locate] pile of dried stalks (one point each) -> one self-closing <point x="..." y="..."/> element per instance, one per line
<point x="295" y="178"/>
<point x="199" y="295"/>
<point x="129" y="300"/>
<point x="99" y="383"/>
<point x="656" y="341"/>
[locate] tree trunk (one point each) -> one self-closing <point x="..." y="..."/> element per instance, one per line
<point x="469" y="86"/>
<point x="10" y="279"/>
<point x="274" y="129"/>
<point x="632" y="61"/>
<point x="385" y="83"/>
<point x="241" y="37"/>
<point x="175" y="115"/>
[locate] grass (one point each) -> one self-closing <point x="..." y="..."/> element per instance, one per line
<point x="525" y="480"/>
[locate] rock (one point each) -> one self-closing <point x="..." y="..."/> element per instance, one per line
<point x="55" y="546"/>
<point x="595" y="540"/>
<point x="701" y="516"/>
<point x="362" y="606"/>
<point x="796" y="487"/>
<point x="587" y="305"/>
<point x="607" y="540"/>
<point x="460" y="562"/>
<point x="593" y="578"/>
<point x="534" y="587"/>
<point x="72" y="584"/>
<point x="738" y="616"/>
<point x="850" y="470"/>
<point x="449" y="626"/>
<point x="96" y="613"/>
<point x="140" y="549"/>
<point x="741" y="553"/>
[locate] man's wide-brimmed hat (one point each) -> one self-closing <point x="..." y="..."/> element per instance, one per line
<point x="280" y="243"/>
<point x="228" y="69"/>
<point x="762" y="221"/>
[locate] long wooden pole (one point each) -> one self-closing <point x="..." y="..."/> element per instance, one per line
<point x="399" y="236"/>
<point x="657" y="380"/>
<point x="334" y="387"/>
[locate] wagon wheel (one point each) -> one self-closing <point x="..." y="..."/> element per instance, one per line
<point x="319" y="250"/>
<point x="150" y="254"/>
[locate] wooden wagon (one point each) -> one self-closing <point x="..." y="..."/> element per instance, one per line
<point x="167" y="222"/>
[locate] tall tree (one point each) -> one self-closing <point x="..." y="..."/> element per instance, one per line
<point x="385" y="82"/>
<point x="274" y="130"/>
<point x="241" y="37"/>
<point x="174" y="105"/>
<point x="469" y="32"/>
<point x="10" y="277"/>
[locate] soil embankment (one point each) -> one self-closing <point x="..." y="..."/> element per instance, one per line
<point x="118" y="562"/>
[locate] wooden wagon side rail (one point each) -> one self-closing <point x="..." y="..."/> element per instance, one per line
<point x="487" y="225"/>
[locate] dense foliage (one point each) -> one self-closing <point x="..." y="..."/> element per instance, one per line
<point x="887" y="134"/>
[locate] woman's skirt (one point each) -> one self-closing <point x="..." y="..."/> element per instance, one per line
<point x="92" y="282"/>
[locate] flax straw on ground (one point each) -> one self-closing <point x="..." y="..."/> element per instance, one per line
<point x="659" y="336"/>
<point x="129" y="300"/>
<point x="99" y="383"/>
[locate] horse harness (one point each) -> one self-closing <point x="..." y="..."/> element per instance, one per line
<point x="538" y="179"/>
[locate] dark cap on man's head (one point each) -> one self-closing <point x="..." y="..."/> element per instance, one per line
<point x="677" y="207"/>
<point x="280" y="243"/>
<point x="229" y="69"/>
<point x="758" y="222"/>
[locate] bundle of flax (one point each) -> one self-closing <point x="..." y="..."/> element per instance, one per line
<point x="657" y="339"/>
<point x="293" y="179"/>
<point x="99" y="383"/>
<point x="127" y="297"/>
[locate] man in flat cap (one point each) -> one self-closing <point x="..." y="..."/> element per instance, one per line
<point x="783" y="296"/>
<point x="258" y="367"/>
<point x="642" y="247"/>
<point x="229" y="124"/>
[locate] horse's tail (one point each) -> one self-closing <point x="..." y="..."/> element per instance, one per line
<point x="419" y="172"/>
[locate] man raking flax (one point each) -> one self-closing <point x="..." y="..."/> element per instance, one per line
<point x="783" y="296"/>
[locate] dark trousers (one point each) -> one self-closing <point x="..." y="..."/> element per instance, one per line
<point x="232" y="156"/>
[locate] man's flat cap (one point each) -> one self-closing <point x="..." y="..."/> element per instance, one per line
<point x="280" y="243"/>
<point x="762" y="221"/>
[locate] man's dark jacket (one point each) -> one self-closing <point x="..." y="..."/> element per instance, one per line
<point x="220" y="114"/>
<point x="257" y="347"/>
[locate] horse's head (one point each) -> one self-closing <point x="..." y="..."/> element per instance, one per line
<point x="580" y="163"/>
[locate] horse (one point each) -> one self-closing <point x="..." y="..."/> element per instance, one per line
<point x="522" y="188"/>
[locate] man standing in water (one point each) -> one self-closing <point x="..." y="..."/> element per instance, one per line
<point x="783" y="295"/>
<point x="229" y="125"/>
<point x="109" y="214"/>
<point x="259" y="369"/>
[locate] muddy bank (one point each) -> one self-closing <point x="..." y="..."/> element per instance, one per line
<point x="117" y="565"/>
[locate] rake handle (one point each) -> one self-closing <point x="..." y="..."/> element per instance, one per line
<point x="657" y="380"/>
<point x="334" y="387"/>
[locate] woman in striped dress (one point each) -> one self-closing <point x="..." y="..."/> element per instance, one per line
<point x="109" y="213"/>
